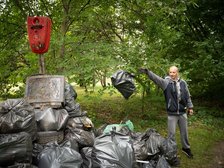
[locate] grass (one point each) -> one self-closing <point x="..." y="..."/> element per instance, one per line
<point x="202" y="140"/>
<point x="204" y="130"/>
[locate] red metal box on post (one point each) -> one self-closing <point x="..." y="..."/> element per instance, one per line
<point x="39" y="29"/>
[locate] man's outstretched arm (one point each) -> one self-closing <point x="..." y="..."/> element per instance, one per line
<point x="162" y="83"/>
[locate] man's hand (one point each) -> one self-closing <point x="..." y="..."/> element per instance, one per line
<point x="190" y="112"/>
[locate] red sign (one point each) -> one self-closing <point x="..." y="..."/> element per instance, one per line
<point x="39" y="29"/>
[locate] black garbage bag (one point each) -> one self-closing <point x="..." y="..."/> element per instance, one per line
<point x="147" y="144"/>
<point x="154" y="142"/>
<point x="123" y="82"/>
<point x="113" y="150"/>
<point x="11" y="104"/>
<point x="140" y="149"/>
<point x="37" y="148"/>
<point x="70" y="92"/>
<point x="16" y="115"/>
<point x="49" y="119"/>
<point x="59" y="156"/>
<point x="99" y="131"/>
<point x="169" y="150"/>
<point x="86" y="154"/>
<point x="15" y="148"/>
<point x="70" y="96"/>
<point x="145" y="164"/>
<point x="84" y="138"/>
<point x="162" y="163"/>
<point x="82" y="122"/>
<point x="75" y="111"/>
<point x="74" y="122"/>
<point x="74" y="144"/>
<point x="22" y="165"/>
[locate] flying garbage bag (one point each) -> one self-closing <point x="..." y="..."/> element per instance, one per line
<point x="123" y="82"/>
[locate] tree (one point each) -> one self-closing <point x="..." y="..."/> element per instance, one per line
<point x="92" y="39"/>
<point x="200" y="48"/>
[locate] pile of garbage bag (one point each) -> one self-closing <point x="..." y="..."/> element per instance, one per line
<point x="65" y="137"/>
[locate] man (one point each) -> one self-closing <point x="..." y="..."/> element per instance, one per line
<point x="178" y="102"/>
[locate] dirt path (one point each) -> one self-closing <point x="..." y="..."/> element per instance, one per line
<point x="218" y="155"/>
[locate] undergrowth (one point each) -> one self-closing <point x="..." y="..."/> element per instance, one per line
<point x="205" y="128"/>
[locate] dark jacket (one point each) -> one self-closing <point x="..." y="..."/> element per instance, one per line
<point x="174" y="105"/>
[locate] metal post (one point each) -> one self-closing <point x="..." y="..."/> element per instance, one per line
<point x="41" y="64"/>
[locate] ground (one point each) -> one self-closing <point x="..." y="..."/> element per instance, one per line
<point x="218" y="153"/>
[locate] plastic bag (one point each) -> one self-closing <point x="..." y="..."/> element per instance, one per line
<point x="49" y="119"/>
<point x="162" y="163"/>
<point x="99" y="131"/>
<point x="123" y="82"/>
<point x="84" y="138"/>
<point x="16" y="115"/>
<point x="75" y="110"/>
<point x="154" y="142"/>
<point x="118" y="127"/>
<point x="86" y="153"/>
<point x="11" y="104"/>
<point x="22" y="165"/>
<point x="144" y="164"/>
<point x="113" y="150"/>
<point x="37" y="148"/>
<point x="140" y="149"/>
<point x="147" y="144"/>
<point x="70" y="93"/>
<point x="70" y="96"/>
<point x="59" y="156"/>
<point x="15" y="148"/>
<point x="169" y="149"/>
<point x="82" y="122"/>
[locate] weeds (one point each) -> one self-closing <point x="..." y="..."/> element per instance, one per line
<point x="204" y="128"/>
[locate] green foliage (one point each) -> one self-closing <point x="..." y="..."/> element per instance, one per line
<point x="199" y="48"/>
<point x="207" y="119"/>
<point x="90" y="40"/>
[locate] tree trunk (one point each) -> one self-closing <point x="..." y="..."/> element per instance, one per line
<point x="64" y="28"/>
<point x="103" y="79"/>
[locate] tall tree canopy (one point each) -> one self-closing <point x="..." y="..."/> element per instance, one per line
<point x="91" y="39"/>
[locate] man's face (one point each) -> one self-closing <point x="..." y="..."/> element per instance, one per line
<point x="173" y="73"/>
